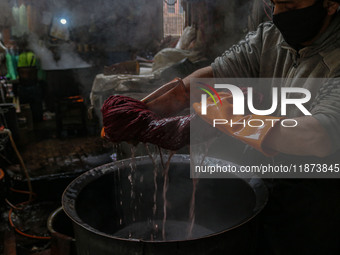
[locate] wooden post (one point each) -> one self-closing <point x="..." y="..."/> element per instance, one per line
<point x="10" y="243"/>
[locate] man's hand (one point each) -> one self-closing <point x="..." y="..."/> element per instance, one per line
<point x="237" y="126"/>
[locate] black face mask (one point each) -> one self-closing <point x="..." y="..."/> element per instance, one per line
<point x="301" y="25"/>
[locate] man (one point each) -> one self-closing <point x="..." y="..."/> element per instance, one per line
<point x="311" y="28"/>
<point x="302" y="42"/>
<point x="302" y="216"/>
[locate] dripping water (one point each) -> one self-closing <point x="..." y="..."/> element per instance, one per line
<point x="132" y="180"/>
<point x="196" y="157"/>
<point x="153" y="156"/>
<point x="165" y="189"/>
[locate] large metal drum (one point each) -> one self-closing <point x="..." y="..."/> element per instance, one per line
<point x="113" y="214"/>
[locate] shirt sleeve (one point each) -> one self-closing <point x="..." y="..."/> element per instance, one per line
<point x="243" y="59"/>
<point x="326" y="109"/>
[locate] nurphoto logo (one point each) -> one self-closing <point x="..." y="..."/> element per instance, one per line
<point x="239" y="104"/>
<point x="239" y="100"/>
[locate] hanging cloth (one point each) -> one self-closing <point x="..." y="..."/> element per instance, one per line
<point x="15" y="14"/>
<point x="11" y="69"/>
<point x="23" y="19"/>
<point x="27" y="59"/>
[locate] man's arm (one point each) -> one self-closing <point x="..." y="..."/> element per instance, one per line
<point x="205" y="72"/>
<point x="309" y="138"/>
<point x="174" y="96"/>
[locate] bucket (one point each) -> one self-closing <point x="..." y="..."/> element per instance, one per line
<point x="113" y="215"/>
<point x="60" y="227"/>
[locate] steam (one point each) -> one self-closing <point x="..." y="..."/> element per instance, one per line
<point x="68" y="58"/>
<point x="240" y="17"/>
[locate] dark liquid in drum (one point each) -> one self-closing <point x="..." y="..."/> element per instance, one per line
<point x="174" y="230"/>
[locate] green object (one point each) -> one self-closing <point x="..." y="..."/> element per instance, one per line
<point x="11" y="70"/>
<point x="27" y="59"/>
<point x="41" y="75"/>
<point x="15" y="63"/>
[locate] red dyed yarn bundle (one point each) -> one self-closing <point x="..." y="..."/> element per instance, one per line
<point x="127" y="119"/>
